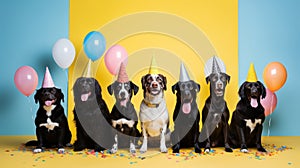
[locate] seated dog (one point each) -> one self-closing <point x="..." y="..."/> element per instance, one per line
<point x="52" y="129"/>
<point x="123" y="115"/>
<point x="247" y="120"/>
<point x="154" y="115"/>
<point x="91" y="116"/>
<point x="215" y="113"/>
<point x="186" y="116"/>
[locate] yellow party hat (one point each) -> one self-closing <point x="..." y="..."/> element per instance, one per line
<point x="251" y="74"/>
<point x="88" y="70"/>
<point x="153" y="67"/>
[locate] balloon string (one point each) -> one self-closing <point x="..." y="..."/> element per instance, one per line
<point x="31" y="111"/>
<point x="67" y="83"/>
<point x="271" y="111"/>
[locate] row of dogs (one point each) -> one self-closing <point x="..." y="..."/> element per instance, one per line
<point x="99" y="129"/>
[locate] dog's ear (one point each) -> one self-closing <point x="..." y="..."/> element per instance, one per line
<point x="228" y="78"/>
<point x="143" y="81"/>
<point x="263" y="90"/>
<point x="175" y="87"/>
<point x="110" y="88"/>
<point x="60" y="95"/>
<point x="197" y="87"/>
<point x="37" y="96"/>
<point x="242" y="90"/>
<point x="98" y="89"/>
<point x="164" y="81"/>
<point x="207" y="79"/>
<point x="134" y="87"/>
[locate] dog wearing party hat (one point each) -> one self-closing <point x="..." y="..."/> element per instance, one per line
<point x="215" y="113"/>
<point x="123" y="115"/>
<point x="186" y="115"/>
<point x="52" y="129"/>
<point x="247" y="120"/>
<point x="91" y="114"/>
<point x="153" y="114"/>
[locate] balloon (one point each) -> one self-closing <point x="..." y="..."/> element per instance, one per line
<point x="269" y="102"/>
<point x="26" y="80"/>
<point x="63" y="53"/>
<point x="274" y="76"/>
<point x="94" y="45"/>
<point x="114" y="57"/>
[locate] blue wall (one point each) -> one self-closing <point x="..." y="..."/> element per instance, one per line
<point x="268" y="31"/>
<point x="28" y="30"/>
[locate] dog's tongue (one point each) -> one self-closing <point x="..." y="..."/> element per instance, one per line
<point x="49" y="102"/>
<point x="84" y="97"/>
<point x="186" y="108"/>
<point x="254" y="103"/>
<point x="123" y="102"/>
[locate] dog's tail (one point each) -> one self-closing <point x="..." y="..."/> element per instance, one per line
<point x="31" y="143"/>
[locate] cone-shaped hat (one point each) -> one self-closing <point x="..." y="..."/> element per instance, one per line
<point x="215" y="66"/>
<point x="122" y="76"/>
<point x="251" y="74"/>
<point x="184" y="76"/>
<point x="88" y="70"/>
<point x="153" y="67"/>
<point x="48" y="82"/>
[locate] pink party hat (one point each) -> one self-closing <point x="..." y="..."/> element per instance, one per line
<point x="122" y="76"/>
<point x="48" y="82"/>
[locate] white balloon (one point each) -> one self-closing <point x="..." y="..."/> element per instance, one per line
<point x="63" y="53"/>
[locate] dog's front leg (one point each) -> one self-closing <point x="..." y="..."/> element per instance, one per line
<point x="258" y="139"/>
<point x="39" y="135"/>
<point x="114" y="148"/>
<point x="207" y="145"/>
<point x="225" y="132"/>
<point x="163" y="147"/>
<point x="244" y="148"/>
<point x="144" y="145"/>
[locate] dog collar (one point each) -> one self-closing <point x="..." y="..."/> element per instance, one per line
<point x="151" y="105"/>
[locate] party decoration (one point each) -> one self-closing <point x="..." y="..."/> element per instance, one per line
<point x="184" y="76"/>
<point x="48" y="82"/>
<point x="274" y="76"/>
<point x="122" y="76"/>
<point x="153" y="67"/>
<point x="94" y="45"/>
<point x="251" y="74"/>
<point x="214" y="65"/>
<point x="88" y="70"/>
<point x="26" y="80"/>
<point x="63" y="53"/>
<point x="113" y="58"/>
<point x="269" y="102"/>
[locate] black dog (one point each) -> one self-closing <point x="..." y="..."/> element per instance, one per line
<point x="91" y="116"/>
<point x="215" y="114"/>
<point x="247" y="120"/>
<point x="52" y="129"/>
<point x="123" y="115"/>
<point x="186" y="116"/>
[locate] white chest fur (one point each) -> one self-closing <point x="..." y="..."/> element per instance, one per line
<point x="49" y="109"/>
<point x="251" y="124"/>
<point x="49" y="124"/>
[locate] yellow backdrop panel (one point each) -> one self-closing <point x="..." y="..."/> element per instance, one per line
<point x="173" y="31"/>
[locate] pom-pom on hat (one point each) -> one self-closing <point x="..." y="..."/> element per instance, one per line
<point x="184" y="76"/>
<point x="88" y="70"/>
<point x="153" y="67"/>
<point x="48" y="82"/>
<point x="122" y="76"/>
<point x="251" y="74"/>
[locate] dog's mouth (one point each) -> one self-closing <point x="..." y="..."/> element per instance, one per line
<point x="253" y="102"/>
<point x="219" y="92"/>
<point x="50" y="102"/>
<point x="186" y="106"/>
<point x="154" y="91"/>
<point x="123" y="101"/>
<point x="85" y="96"/>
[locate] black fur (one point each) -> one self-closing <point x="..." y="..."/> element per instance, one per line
<point x="60" y="136"/>
<point x="241" y="135"/>
<point x="91" y="116"/>
<point x="215" y="113"/>
<point x="186" y="128"/>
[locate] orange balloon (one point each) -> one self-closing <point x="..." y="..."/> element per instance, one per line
<point x="274" y="76"/>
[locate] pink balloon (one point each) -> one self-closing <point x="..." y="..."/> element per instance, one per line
<point x="269" y="102"/>
<point x="113" y="58"/>
<point x="26" y="80"/>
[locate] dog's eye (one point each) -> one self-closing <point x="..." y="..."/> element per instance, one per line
<point x="223" y="78"/>
<point x="158" y="79"/>
<point x="189" y="86"/>
<point x="214" y="79"/>
<point x="182" y="86"/>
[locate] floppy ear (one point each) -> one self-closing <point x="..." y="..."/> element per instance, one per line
<point x="242" y="90"/>
<point x="110" y="89"/>
<point x="135" y="88"/>
<point x="143" y="81"/>
<point x="228" y="78"/>
<point x="60" y="94"/>
<point x="207" y="79"/>
<point x="37" y="96"/>
<point x="164" y="82"/>
<point x="197" y="87"/>
<point x="98" y="89"/>
<point x="175" y="87"/>
<point x="264" y="93"/>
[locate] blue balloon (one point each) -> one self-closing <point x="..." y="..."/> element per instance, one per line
<point x="94" y="45"/>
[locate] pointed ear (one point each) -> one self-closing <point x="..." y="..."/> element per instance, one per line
<point x="37" y="96"/>
<point x="175" y="87"/>
<point x="110" y="89"/>
<point x="242" y="90"/>
<point x="135" y="88"/>
<point x="207" y="79"/>
<point x="60" y="95"/>
<point x="228" y="78"/>
<point x="264" y="92"/>
<point x="197" y="87"/>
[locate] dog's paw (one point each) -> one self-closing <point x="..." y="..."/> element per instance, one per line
<point x="37" y="150"/>
<point x="132" y="148"/>
<point x="163" y="149"/>
<point x="143" y="149"/>
<point x="61" y="150"/>
<point x="176" y="148"/>
<point x="244" y="150"/>
<point x="69" y="145"/>
<point x="261" y="149"/>
<point x="207" y="150"/>
<point x="114" y="149"/>
<point x="78" y="148"/>
<point x="228" y="149"/>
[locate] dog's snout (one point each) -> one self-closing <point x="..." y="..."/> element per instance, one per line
<point x="122" y="94"/>
<point x="220" y="85"/>
<point x="154" y="85"/>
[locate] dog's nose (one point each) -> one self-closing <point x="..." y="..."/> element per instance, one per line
<point x="219" y="85"/>
<point x="154" y="85"/>
<point x="122" y="94"/>
<point x="187" y="93"/>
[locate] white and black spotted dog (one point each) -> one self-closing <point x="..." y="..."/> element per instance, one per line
<point x="153" y="114"/>
<point x="123" y="115"/>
